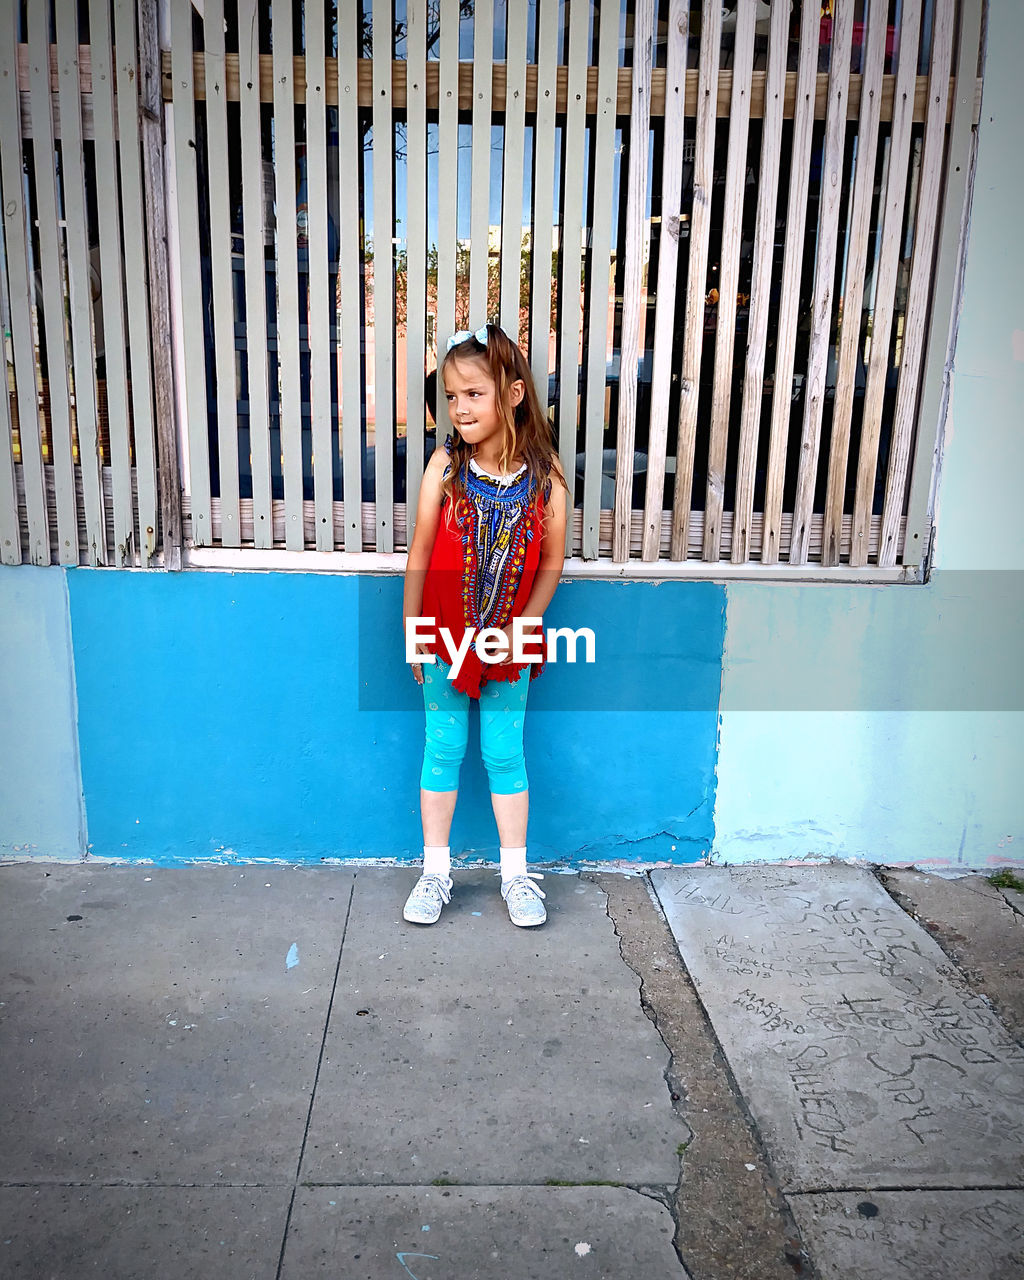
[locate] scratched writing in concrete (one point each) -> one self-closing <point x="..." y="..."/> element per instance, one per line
<point x="771" y="1015"/>
<point x="819" y="1118"/>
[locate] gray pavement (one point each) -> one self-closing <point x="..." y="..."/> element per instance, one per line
<point x="263" y="1071"/>
<point x="868" y="1064"/>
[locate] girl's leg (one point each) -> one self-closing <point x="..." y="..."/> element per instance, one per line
<point x="446" y="735"/>
<point x="502" y="720"/>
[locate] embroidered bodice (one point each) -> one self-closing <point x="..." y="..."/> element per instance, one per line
<point x="499" y="504"/>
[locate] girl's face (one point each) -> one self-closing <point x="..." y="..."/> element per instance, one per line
<point x="473" y="403"/>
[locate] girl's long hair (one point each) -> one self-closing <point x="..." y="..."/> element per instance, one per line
<point x="527" y="431"/>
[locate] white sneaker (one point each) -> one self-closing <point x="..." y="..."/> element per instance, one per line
<point x="523" y="899"/>
<point x="429" y="895"/>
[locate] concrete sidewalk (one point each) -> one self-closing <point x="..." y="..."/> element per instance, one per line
<point x="265" y="1072"/>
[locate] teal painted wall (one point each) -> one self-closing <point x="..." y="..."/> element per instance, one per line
<point x="887" y="722"/>
<point x="882" y="723"/>
<point x="271" y="715"/>
<point x="40" y="783"/>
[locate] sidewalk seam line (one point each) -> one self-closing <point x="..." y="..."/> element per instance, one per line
<point x="316" y="1079"/>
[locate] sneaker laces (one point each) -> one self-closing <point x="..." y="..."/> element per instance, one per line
<point x="523" y="883"/>
<point x="441" y="884"/>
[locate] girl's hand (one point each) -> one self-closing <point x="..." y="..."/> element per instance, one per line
<point x="417" y="667"/>
<point x="528" y="634"/>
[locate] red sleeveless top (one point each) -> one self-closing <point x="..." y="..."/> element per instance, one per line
<point x="451" y="589"/>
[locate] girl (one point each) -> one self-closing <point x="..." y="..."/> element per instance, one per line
<point x="489" y="547"/>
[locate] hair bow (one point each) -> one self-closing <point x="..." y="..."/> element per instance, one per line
<point x="464" y="335"/>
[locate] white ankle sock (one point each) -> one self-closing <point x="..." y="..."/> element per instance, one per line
<point x="513" y="863"/>
<point x="437" y="860"/>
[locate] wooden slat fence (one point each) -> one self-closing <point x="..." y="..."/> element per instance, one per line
<point x="716" y="235"/>
<point x="82" y="297"/>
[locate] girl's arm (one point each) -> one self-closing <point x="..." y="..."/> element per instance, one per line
<point x="428" y="517"/>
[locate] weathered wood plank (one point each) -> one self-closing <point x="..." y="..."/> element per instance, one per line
<point x="254" y="265"/>
<point x="697" y="274"/>
<point x="885" y="279"/>
<point x="623" y="89"/>
<point x="636" y="250"/>
<point x="668" y="269"/>
<point x="112" y="287"/>
<point x="76" y="236"/>
<point x="760" y="286"/>
<point x="512" y="185"/>
<point x="416" y="250"/>
<point x="139" y="337"/>
<point x="10" y="530"/>
<point x="603" y="150"/>
<point x="318" y="313"/>
<point x="922" y="278"/>
<point x="447" y="179"/>
<point x="480" y="163"/>
<point x="852" y="302"/>
<point x="155" y="193"/>
<point x="824" y="280"/>
<point x="350" y="284"/>
<point x="286" y="275"/>
<point x="570" y="311"/>
<point x="51" y="268"/>
<point x="383" y="288"/>
<point x="789" y="303"/>
<point x="544" y="197"/>
<point x="728" y="276"/>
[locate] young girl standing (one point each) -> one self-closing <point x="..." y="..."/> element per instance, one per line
<point x="489" y="547"/>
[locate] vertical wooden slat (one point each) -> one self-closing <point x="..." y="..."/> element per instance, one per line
<point x="50" y="266"/>
<point x="76" y="233"/>
<point x="885" y="277"/>
<point x="112" y="291"/>
<point x="668" y="263"/>
<point x="416" y="253"/>
<point x="152" y="126"/>
<point x="941" y="332"/>
<point x="603" y="148"/>
<point x="10" y="532"/>
<point x="636" y="249"/>
<point x="760" y="282"/>
<point x="824" y="279"/>
<point x="447" y="183"/>
<point x="318" y="300"/>
<point x="318" y="316"/>
<point x="789" y="302"/>
<point x="700" y="230"/>
<point x="20" y="291"/>
<point x="853" y="300"/>
<point x="512" y="187"/>
<point x="350" y="274"/>
<point x="570" y="301"/>
<point x="383" y="274"/>
<point x="543" y="208"/>
<point x="253" y="231"/>
<point x="222" y="273"/>
<point x="728" y="275"/>
<point x="140" y="341"/>
<point x="480" y="200"/>
<point x="921" y="276"/>
<point x="286" y="275"/>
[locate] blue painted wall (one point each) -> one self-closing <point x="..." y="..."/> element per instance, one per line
<point x="40" y="784"/>
<point x="271" y="715"/>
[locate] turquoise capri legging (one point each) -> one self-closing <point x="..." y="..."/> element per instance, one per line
<point x="502" y="716"/>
